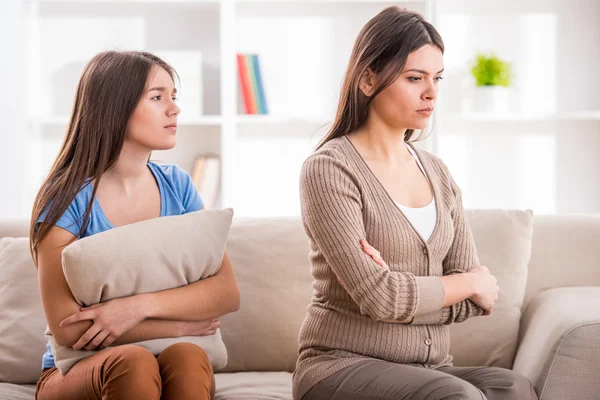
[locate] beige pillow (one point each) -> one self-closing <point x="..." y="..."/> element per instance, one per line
<point x="270" y="257"/>
<point x="503" y="242"/>
<point x="148" y="256"/>
<point x="22" y="317"/>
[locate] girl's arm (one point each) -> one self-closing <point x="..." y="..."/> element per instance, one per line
<point x="206" y="299"/>
<point x="59" y="303"/>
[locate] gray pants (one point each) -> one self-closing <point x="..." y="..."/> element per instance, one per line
<point x="382" y="380"/>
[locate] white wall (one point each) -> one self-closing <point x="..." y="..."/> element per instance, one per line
<point x="13" y="129"/>
<point x="549" y="165"/>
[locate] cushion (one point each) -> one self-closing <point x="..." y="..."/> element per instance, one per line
<point x="254" y="386"/>
<point x="22" y="318"/>
<point x="17" y="392"/>
<point x="147" y="256"/>
<point x="270" y="258"/>
<point x="560" y="345"/>
<point x="503" y="241"/>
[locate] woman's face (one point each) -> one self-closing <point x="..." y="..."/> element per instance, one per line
<point x="153" y="124"/>
<point x="409" y="101"/>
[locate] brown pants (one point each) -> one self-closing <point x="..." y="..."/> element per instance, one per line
<point x="382" y="380"/>
<point x="182" y="371"/>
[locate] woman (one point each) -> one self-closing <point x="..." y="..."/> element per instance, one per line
<point x="102" y="178"/>
<point x="392" y="256"/>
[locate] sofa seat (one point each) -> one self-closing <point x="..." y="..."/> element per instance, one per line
<point x="9" y="391"/>
<point x="231" y="386"/>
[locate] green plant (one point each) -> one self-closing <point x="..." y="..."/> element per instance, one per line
<point x="491" y="71"/>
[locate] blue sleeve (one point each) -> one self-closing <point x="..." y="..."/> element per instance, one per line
<point x="70" y="220"/>
<point x="190" y="198"/>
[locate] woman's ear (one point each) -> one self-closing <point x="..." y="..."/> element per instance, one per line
<point x="367" y="82"/>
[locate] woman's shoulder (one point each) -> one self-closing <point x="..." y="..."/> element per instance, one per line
<point x="334" y="153"/>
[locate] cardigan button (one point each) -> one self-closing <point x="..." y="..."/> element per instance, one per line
<point x="428" y="342"/>
<point x="425" y="250"/>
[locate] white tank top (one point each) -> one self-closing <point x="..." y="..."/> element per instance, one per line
<point x="422" y="218"/>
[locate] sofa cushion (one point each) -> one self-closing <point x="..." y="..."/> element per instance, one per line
<point x="9" y="391"/>
<point x="560" y="348"/>
<point x="254" y="386"/>
<point x="503" y="241"/>
<point x="22" y="320"/>
<point x="564" y="252"/>
<point x="144" y="257"/>
<point x="270" y="258"/>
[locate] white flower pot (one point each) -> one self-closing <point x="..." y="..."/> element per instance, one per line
<point x="491" y="99"/>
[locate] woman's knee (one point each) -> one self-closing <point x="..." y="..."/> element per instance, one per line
<point x="507" y="384"/>
<point x="450" y="387"/>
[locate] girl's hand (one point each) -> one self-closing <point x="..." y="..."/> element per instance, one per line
<point x="111" y="319"/>
<point x="371" y="251"/>
<point x="199" y="328"/>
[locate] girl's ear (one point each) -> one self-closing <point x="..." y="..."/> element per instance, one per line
<point x="367" y="82"/>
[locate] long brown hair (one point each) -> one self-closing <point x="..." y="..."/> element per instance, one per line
<point x="383" y="45"/>
<point x="109" y="89"/>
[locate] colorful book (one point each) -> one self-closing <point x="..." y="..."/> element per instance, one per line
<point x="246" y="85"/>
<point x="262" y="99"/>
<point x="252" y="76"/>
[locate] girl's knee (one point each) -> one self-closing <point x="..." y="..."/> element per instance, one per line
<point x="132" y="357"/>
<point x="184" y="352"/>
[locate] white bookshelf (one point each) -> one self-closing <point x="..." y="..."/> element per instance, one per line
<point x="304" y="47"/>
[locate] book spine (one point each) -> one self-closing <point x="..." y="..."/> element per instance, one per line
<point x="252" y="74"/>
<point x="260" y="84"/>
<point x="245" y="84"/>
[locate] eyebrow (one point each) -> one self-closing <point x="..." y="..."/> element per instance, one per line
<point x="161" y="89"/>
<point x="423" y="72"/>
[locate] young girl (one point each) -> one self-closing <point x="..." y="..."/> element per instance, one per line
<point x="392" y="256"/>
<point x="102" y="178"/>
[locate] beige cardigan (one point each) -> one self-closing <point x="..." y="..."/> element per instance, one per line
<point x="343" y="202"/>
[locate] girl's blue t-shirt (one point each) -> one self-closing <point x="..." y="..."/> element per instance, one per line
<point x="178" y="195"/>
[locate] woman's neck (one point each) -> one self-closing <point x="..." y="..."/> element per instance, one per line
<point x="381" y="143"/>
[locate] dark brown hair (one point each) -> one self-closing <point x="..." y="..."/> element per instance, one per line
<point x="109" y="89"/>
<point x="383" y="45"/>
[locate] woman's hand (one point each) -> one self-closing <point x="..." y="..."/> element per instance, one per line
<point x="371" y="251"/>
<point x="200" y="328"/>
<point x="111" y="319"/>
<point x="485" y="287"/>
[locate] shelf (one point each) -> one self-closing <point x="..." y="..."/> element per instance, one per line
<point x="122" y="8"/>
<point x="391" y="2"/>
<point x="201" y="120"/>
<point x="274" y="120"/>
<point x="593" y="115"/>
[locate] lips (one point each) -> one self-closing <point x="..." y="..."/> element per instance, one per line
<point x="170" y="126"/>
<point x="428" y="109"/>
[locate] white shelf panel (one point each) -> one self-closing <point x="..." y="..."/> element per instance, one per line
<point x="390" y="2"/>
<point x="201" y="120"/>
<point x="274" y="120"/>
<point x="593" y="115"/>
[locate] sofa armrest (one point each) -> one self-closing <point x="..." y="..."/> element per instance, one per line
<point x="559" y="350"/>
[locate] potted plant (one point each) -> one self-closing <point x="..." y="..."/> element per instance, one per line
<point x="493" y="77"/>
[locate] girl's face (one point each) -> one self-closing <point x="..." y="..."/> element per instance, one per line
<point x="153" y="124"/>
<point x="409" y="101"/>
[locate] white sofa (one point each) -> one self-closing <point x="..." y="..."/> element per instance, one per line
<point x="546" y="324"/>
